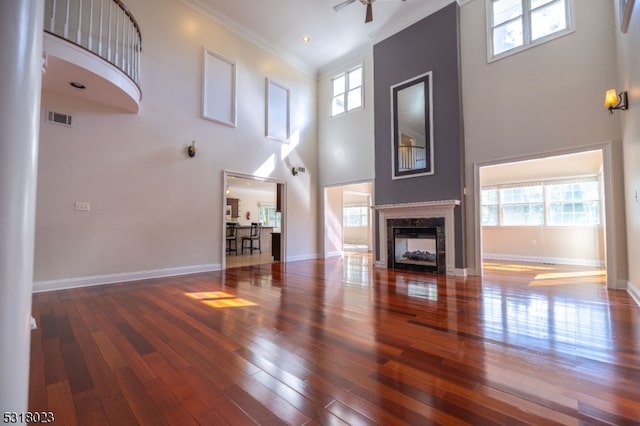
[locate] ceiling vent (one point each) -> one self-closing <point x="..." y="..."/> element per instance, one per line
<point x="59" y="118"/>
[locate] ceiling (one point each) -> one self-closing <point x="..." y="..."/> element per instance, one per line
<point x="280" y="25"/>
<point x="588" y="163"/>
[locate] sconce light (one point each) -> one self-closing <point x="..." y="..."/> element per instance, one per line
<point x="297" y="169"/>
<point x="191" y="150"/>
<point x="613" y="100"/>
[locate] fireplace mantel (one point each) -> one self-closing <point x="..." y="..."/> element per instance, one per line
<point x="421" y="210"/>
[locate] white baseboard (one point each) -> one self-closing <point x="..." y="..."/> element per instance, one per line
<point x="634" y="292"/>
<point x="550" y="260"/>
<point x="304" y="257"/>
<point x="462" y="272"/>
<point x="334" y="254"/>
<point x="41" y="286"/>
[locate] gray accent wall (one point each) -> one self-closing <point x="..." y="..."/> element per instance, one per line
<point x="431" y="44"/>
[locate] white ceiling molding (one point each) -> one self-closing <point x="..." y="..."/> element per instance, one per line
<point x="248" y="35"/>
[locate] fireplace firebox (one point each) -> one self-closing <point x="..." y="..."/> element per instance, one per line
<point x="416" y="244"/>
<point x="415" y="248"/>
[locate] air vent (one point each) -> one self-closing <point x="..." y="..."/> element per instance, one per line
<point x="59" y="118"/>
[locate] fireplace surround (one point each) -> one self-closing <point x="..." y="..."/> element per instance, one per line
<point x="412" y="216"/>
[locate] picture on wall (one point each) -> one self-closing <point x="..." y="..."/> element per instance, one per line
<point x="277" y="119"/>
<point x="218" y="88"/>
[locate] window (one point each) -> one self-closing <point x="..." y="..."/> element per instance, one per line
<point x="515" y="25"/>
<point x="355" y="215"/>
<point x="269" y="217"/>
<point x="522" y="205"/>
<point x="574" y="203"/>
<point x="489" y="207"/>
<point x="346" y="91"/>
<point x="567" y="202"/>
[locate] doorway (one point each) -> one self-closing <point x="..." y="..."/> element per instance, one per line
<point x="251" y="200"/>
<point x="544" y="213"/>
<point x="348" y="219"/>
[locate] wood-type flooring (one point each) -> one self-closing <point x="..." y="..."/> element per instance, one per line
<point x="340" y="342"/>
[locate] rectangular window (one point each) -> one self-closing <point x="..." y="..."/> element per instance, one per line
<point x="489" y="207"/>
<point x="269" y="217"/>
<point x="567" y="202"/>
<point x="347" y="91"/>
<point x="355" y="215"/>
<point x="574" y="203"/>
<point x="514" y="25"/>
<point x="522" y="205"/>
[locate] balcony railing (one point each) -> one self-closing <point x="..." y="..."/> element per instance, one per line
<point x="104" y="27"/>
<point x="411" y="157"/>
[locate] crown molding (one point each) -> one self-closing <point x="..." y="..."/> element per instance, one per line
<point x="250" y="36"/>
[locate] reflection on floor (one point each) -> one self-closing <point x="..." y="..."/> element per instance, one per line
<point x="542" y="274"/>
<point x="249" y="259"/>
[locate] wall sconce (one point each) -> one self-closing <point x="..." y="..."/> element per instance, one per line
<point x="191" y="150"/>
<point x="297" y="169"/>
<point x="613" y="100"/>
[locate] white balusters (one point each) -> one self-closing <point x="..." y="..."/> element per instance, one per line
<point x="118" y="43"/>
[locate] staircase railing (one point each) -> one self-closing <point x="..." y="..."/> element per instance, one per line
<point x="104" y="27"/>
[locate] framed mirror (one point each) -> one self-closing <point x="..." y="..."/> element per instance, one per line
<point x="412" y="131"/>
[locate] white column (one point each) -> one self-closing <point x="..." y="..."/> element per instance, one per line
<point x="21" y="27"/>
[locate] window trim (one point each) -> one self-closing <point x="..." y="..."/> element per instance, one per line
<point x="527" y="43"/>
<point x="546" y="201"/>
<point x="345" y="74"/>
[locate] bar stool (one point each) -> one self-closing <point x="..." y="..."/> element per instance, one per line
<point x="232" y="238"/>
<point x="254" y="235"/>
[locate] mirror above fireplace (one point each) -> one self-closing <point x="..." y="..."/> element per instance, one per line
<point x="411" y="126"/>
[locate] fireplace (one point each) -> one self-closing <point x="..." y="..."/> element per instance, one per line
<point x="415" y="249"/>
<point x="416" y="244"/>
<point x="423" y="230"/>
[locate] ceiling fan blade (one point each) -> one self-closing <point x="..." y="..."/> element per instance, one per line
<point x="369" y="16"/>
<point x="339" y="6"/>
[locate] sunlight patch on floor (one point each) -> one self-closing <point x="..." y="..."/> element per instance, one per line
<point x="220" y="299"/>
<point x="514" y="267"/>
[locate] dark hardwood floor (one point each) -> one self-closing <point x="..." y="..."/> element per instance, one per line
<point x="339" y="342"/>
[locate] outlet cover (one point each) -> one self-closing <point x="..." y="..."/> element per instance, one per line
<point x="83" y="206"/>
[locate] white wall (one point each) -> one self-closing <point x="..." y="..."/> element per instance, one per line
<point x="544" y="100"/>
<point x="346" y="142"/>
<point x="333" y="228"/>
<point x="545" y="244"/>
<point x="152" y="207"/>
<point x="629" y="79"/>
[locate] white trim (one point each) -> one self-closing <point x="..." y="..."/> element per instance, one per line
<point x="205" y="8"/>
<point x="41" y="286"/>
<point x="215" y="82"/>
<point x="283" y="214"/>
<point x="634" y="292"/>
<point x="550" y="260"/>
<point x="462" y="272"/>
<point x="527" y="43"/>
<point x="429" y="120"/>
<point x="304" y="257"/>
<point x="272" y="111"/>
<point x="426" y="210"/>
<point x="609" y="206"/>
